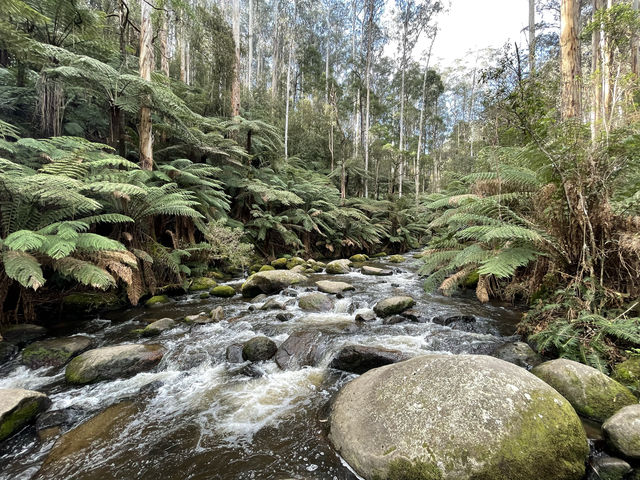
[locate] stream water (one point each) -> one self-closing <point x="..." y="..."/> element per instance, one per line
<point x="196" y="416"/>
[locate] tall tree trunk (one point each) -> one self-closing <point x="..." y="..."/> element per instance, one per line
<point x="182" y="46"/>
<point x="286" y="115"/>
<point x="635" y="44"/>
<point x="607" y="75"/>
<point x="532" y="37"/>
<point x="370" y="13"/>
<point x="276" y="54"/>
<point x="420" y="127"/>
<point x="401" y="144"/>
<point x="164" y="45"/>
<point x="146" y="65"/>
<point x="123" y="22"/>
<point x="570" y="59"/>
<point x="235" y="86"/>
<point x="250" y="59"/>
<point x="596" y="71"/>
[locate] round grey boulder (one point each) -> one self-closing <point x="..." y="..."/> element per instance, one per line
<point x="108" y="363"/>
<point x="591" y="392"/>
<point x="393" y="305"/>
<point x="270" y="282"/>
<point x="455" y="417"/>
<point x="259" y="349"/>
<point x="316" y="302"/>
<point x="623" y="431"/>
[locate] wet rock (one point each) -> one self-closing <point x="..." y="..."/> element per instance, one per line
<point x="217" y="314"/>
<point x="359" y="258"/>
<point x="296" y="262"/>
<point x="259" y="349"/>
<point x="605" y="467"/>
<point x="394" y="319"/>
<point x="366" y="270"/>
<point x="19" y="407"/>
<point x="159" y="326"/>
<point x="289" y="292"/>
<point x="628" y="374"/>
<point x="280" y="263"/>
<point x="592" y="393"/>
<point x="316" y="302"/>
<point x="284" y="317"/>
<point x="23" y="334"/>
<point x="271" y="282"/>
<point x="157" y="301"/>
<point x="299" y="350"/>
<point x="54" y="352"/>
<point x="360" y="358"/>
<point x="234" y="353"/>
<point x="108" y="363"/>
<point x="518" y="353"/>
<point x="366" y="316"/>
<point x="397" y="259"/>
<point x="465" y="323"/>
<point x="298" y="269"/>
<point x="86" y="302"/>
<point x="7" y="351"/>
<point x="272" y="304"/>
<point x="265" y="268"/>
<point x="198" y="318"/>
<point x="393" y="305"/>
<point x="327" y="286"/>
<point x="413" y="316"/>
<point x="259" y="298"/>
<point x="454" y="319"/>
<point x="457" y="417"/>
<point x="338" y="267"/>
<point x="77" y="444"/>
<point x="251" y="370"/>
<point x="224" y="291"/>
<point x="622" y="430"/>
<point x="204" y="296"/>
<point x="50" y="424"/>
<point x="202" y="283"/>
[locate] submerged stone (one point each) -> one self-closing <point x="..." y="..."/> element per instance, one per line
<point x="316" y="302"/>
<point x="299" y="350"/>
<point x="361" y="358"/>
<point x="259" y="349"/>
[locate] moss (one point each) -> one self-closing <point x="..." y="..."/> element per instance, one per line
<point x="157" y="300"/>
<point x="91" y="301"/>
<point x="19" y="417"/>
<point x="628" y="374"/>
<point x="35" y="355"/>
<point x="216" y="274"/>
<point x="295" y="261"/>
<point x="390" y="450"/>
<point x="397" y="259"/>
<point x="204" y="295"/>
<point x="403" y="469"/>
<point x="359" y="258"/>
<point x="472" y="279"/>
<point x="202" y="283"/>
<point x="279" y="263"/>
<point x="265" y="268"/>
<point x="223" y="291"/>
<point x="379" y="255"/>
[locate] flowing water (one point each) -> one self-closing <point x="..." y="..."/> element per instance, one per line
<point x="196" y="416"/>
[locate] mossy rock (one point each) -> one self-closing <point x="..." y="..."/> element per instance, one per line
<point x="359" y="258"/>
<point x="280" y="263"/>
<point x="157" y="327"/>
<point x="457" y="417"/>
<point x="23" y="333"/>
<point x="338" y="267"/>
<point x="393" y="305"/>
<point x="379" y="255"/>
<point x="54" y="352"/>
<point x="397" y="259"/>
<point x="295" y="261"/>
<point x="157" y="300"/>
<point x="223" y="291"/>
<point x="266" y="268"/>
<point x="316" y="302"/>
<point x="591" y="392"/>
<point x="85" y="302"/>
<point x="472" y="279"/>
<point x="628" y="374"/>
<point x="217" y="274"/>
<point x="202" y="283"/>
<point x="259" y="349"/>
<point x="204" y="295"/>
<point x="270" y="282"/>
<point x="18" y="407"/>
<point x="622" y="431"/>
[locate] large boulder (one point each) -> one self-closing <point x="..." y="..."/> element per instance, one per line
<point x="628" y="374"/>
<point x="359" y="258"/>
<point x="591" y="392"/>
<point x="157" y="301"/>
<point x="338" y="267"/>
<point x="397" y="259"/>
<point x="367" y="270"/>
<point x="18" y="407"/>
<point x="327" y="286"/>
<point x="54" y="352"/>
<point x="360" y="358"/>
<point x="23" y="334"/>
<point x="270" y="282"/>
<point x="299" y="350"/>
<point x="456" y="417"/>
<point x="202" y="283"/>
<point x="518" y="353"/>
<point x="85" y="302"/>
<point x="393" y="305"/>
<point x="108" y="363"/>
<point x="316" y="302"/>
<point x="224" y="291"/>
<point x="259" y="349"/>
<point x="623" y="431"/>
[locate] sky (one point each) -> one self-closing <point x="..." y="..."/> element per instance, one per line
<point x="475" y="25"/>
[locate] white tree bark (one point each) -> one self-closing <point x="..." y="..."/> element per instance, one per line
<point x="422" y="109"/>
<point x="235" y="86"/>
<point x="532" y="37"/>
<point x="570" y="58"/>
<point x="146" y="65"/>
<point x="250" y="59"/>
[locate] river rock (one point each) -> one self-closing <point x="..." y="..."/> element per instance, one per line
<point x="628" y="374"/>
<point x="77" y="444"/>
<point x="259" y="298"/>
<point x="298" y="269"/>
<point x="7" y="351"/>
<point x="198" y="318"/>
<point x="518" y="353"/>
<point x="604" y="467"/>
<point x="366" y="270"/>
<point x="264" y="268"/>
<point x="272" y="304"/>
<point x="259" y="349"/>
<point x="280" y="263"/>
<point x="299" y="350"/>
<point x="359" y="258"/>
<point x="225" y="291"/>
<point x="338" y="267"/>
<point x="217" y="314"/>
<point x="108" y="363"/>
<point x="394" y="320"/>
<point x="592" y="393"/>
<point x="86" y="302"/>
<point x="296" y="262"/>
<point x="366" y="316"/>
<point x="159" y="326"/>
<point x="18" y="407"/>
<point x="316" y="302"/>
<point x="457" y="417"/>
<point x="234" y="353"/>
<point x="397" y="259"/>
<point x="202" y="283"/>
<point x="23" y="334"/>
<point x="271" y="282"/>
<point x="50" y="424"/>
<point x="327" y="286"/>
<point x="284" y="317"/>
<point x="413" y="315"/>
<point x="623" y="431"/>
<point x="391" y="306"/>
<point x="54" y="352"/>
<point x="157" y="301"/>
<point x="360" y="358"/>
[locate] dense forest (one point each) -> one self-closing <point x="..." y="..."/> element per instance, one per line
<point x="147" y="143"/>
